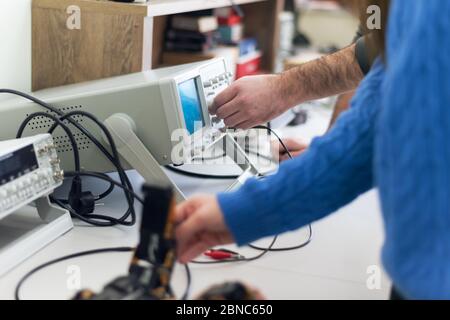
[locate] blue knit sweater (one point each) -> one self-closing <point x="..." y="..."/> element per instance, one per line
<point x="395" y="137"/>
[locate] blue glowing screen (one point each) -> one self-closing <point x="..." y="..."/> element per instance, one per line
<point x="190" y="101"/>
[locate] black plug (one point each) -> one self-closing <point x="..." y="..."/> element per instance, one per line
<point x="81" y="202"/>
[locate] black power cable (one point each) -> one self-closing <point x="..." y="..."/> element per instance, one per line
<point x="212" y="176"/>
<point x="106" y="193"/>
<point x="92" y="218"/>
<point x="65" y="258"/>
<point x="271" y="246"/>
<point x="112" y="144"/>
<point x="60" y="113"/>
<point x="271" y="131"/>
<point x="201" y="175"/>
<point x="102" y="195"/>
<point x="89" y="253"/>
<point x="185" y="295"/>
<point x="113" y="158"/>
<point x="64" y="203"/>
<point x="107" y="221"/>
<point x="125" y="185"/>
<point x="263" y="253"/>
<point x="105" y="178"/>
<point x="59" y="122"/>
<point x="122" y="174"/>
<point x="300" y="246"/>
<point x="310" y="235"/>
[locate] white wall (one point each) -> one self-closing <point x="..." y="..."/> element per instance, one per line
<point x="15" y="45"/>
<point x="325" y="28"/>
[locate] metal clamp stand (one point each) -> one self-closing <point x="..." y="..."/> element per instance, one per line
<point x="133" y="151"/>
<point x="23" y="232"/>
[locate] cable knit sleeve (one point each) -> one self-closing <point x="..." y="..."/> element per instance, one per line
<point x="413" y="149"/>
<point x="334" y="171"/>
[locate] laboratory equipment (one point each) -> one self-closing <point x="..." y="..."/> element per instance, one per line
<point x="157" y="118"/>
<point x="29" y="172"/>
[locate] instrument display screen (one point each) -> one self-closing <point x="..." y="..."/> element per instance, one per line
<point x="17" y="164"/>
<point x="191" y="104"/>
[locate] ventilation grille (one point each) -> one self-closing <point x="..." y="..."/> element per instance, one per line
<point x="42" y="124"/>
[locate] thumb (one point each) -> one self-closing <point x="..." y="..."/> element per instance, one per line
<point x="193" y="220"/>
<point x="295" y="144"/>
<point x="185" y="209"/>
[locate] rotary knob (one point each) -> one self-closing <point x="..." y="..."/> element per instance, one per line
<point x="207" y="84"/>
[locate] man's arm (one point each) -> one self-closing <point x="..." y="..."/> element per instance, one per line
<point x="254" y="100"/>
<point x="333" y="172"/>
<point x="328" y="76"/>
<point x="311" y="186"/>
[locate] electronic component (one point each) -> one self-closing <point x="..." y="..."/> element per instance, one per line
<point x="154" y="118"/>
<point x="29" y="172"/>
<point x="158" y="102"/>
<point x="223" y="254"/>
<point x="29" y="169"/>
<point x="214" y="85"/>
<point x="152" y="265"/>
<point x="153" y="261"/>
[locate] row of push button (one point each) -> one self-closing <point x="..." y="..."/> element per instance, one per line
<point x="17" y="192"/>
<point x="218" y="80"/>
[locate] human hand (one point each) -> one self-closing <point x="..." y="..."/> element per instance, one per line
<point x="250" y="101"/>
<point x="295" y="146"/>
<point x="200" y="226"/>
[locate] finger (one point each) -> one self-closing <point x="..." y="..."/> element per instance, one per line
<point x="297" y="153"/>
<point x="234" y="120"/>
<point x="284" y="157"/>
<point x="192" y="252"/>
<point x="293" y="144"/>
<point x="246" y="125"/>
<point x="225" y="96"/>
<point x="183" y="247"/>
<point x="290" y="147"/>
<point x="227" y="110"/>
<point x="186" y="231"/>
<point x="183" y="210"/>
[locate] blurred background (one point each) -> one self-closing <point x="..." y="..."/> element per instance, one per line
<point x="307" y="28"/>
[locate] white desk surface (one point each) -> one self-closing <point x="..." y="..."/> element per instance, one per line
<point x="333" y="266"/>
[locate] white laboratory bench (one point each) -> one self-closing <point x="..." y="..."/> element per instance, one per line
<point x="333" y="266"/>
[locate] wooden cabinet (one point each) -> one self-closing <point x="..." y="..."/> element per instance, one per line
<point x="81" y="40"/>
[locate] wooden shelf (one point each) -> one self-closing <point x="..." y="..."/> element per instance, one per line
<point x="153" y="8"/>
<point x="167" y="7"/>
<point x="116" y="38"/>
<point x="116" y="8"/>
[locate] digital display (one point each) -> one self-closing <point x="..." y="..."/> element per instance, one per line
<point x="191" y="104"/>
<point x="17" y="164"/>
